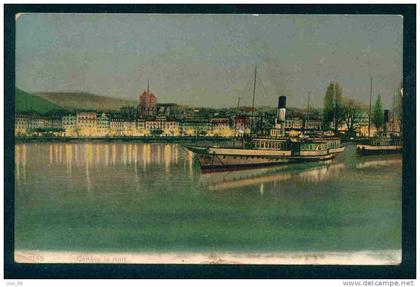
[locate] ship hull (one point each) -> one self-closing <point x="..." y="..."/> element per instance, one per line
<point x="337" y="150"/>
<point x="235" y="159"/>
<point x="378" y="150"/>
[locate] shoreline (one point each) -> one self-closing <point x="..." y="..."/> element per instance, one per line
<point x="123" y="139"/>
<point x="366" y="257"/>
<point x="142" y="139"/>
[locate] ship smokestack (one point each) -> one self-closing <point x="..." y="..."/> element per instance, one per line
<point x="281" y="109"/>
<point x="386" y="119"/>
<point x="282" y="102"/>
<point x="281" y="113"/>
<point x="386" y="116"/>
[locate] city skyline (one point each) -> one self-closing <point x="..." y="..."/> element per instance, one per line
<point x="208" y="60"/>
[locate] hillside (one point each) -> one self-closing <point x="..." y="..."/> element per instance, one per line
<point x="74" y="100"/>
<point x="25" y="102"/>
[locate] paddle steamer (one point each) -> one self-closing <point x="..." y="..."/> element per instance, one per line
<point x="261" y="151"/>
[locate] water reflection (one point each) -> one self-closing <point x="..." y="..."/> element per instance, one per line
<point x="20" y="164"/>
<point x="78" y="159"/>
<point x="259" y="177"/>
<point x="100" y="154"/>
<point x="319" y="174"/>
<point x="367" y="162"/>
<point x="86" y="162"/>
<point x="69" y="159"/>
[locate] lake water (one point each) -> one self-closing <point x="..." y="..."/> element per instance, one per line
<point x="126" y="197"/>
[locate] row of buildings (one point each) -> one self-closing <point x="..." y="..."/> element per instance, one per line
<point x="94" y="124"/>
<point x="150" y="118"/>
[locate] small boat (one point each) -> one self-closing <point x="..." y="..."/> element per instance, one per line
<point x="380" y="145"/>
<point x="383" y="143"/>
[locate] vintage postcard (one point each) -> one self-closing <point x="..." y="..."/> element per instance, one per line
<point x="208" y="138"/>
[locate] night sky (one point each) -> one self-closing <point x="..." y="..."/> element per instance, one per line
<point x="208" y="60"/>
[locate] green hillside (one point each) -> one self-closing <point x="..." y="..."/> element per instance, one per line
<point x="25" y="102"/>
<point x="81" y="100"/>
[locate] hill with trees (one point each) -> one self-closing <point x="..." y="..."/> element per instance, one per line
<point x="26" y="102"/>
<point x="81" y="100"/>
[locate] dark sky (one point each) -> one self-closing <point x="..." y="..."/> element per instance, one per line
<point x="208" y="60"/>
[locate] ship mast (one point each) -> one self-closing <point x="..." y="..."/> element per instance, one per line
<point x="236" y="122"/>
<point x="253" y="100"/>
<point x="393" y="112"/>
<point x="307" y="113"/>
<point x="370" y="105"/>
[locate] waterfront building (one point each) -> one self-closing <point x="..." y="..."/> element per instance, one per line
<point x="69" y="121"/>
<point x="69" y="125"/>
<point x="193" y="128"/>
<point x="141" y="128"/>
<point x="21" y="124"/>
<point x="141" y="124"/>
<point x="152" y="125"/>
<point x="170" y="128"/>
<point x="102" y="124"/>
<point x="166" y="124"/>
<point x="221" y="127"/>
<point x="219" y="123"/>
<point x="54" y="126"/>
<point x="38" y="122"/>
<point x="241" y="124"/>
<point x="86" y="119"/>
<point x="160" y="123"/>
<point x="34" y="122"/>
<point x="86" y="123"/>
<point x="56" y="123"/>
<point x="116" y="126"/>
<point x="47" y="123"/>
<point x="129" y="128"/>
<point x="147" y="103"/>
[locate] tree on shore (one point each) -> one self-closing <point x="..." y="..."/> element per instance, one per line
<point x="352" y="110"/>
<point x="333" y="107"/>
<point x="378" y="114"/>
<point x="328" y="112"/>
